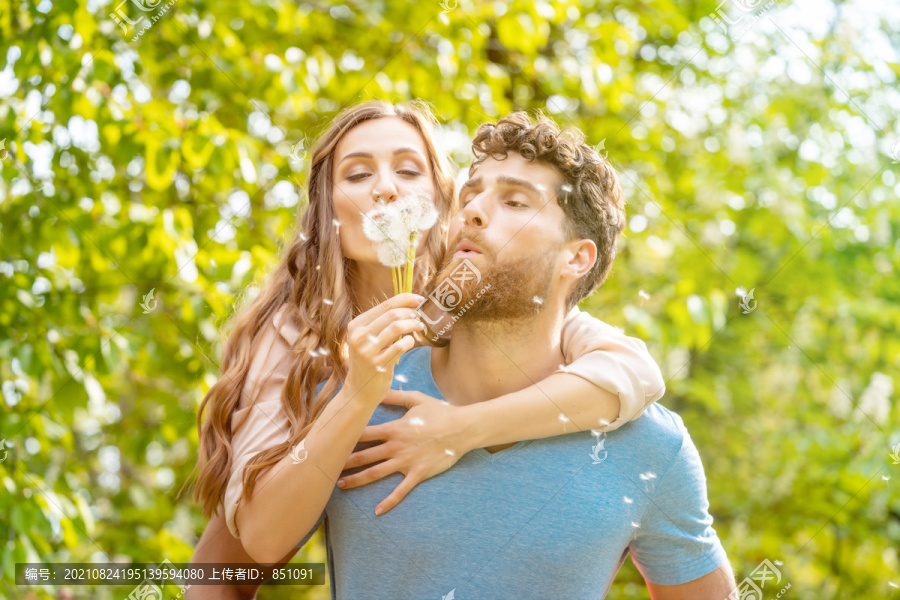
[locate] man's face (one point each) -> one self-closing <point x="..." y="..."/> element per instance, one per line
<point x="510" y="227"/>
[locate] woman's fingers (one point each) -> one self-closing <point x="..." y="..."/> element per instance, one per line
<point x="399" y="493"/>
<point x="369" y="475"/>
<point x="368" y="456"/>
<point x="389" y="357"/>
<point x="374" y="433"/>
<point x="406" y="398"/>
<point x="404" y="300"/>
<point x="394" y="330"/>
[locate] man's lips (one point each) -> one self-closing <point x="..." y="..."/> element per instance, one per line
<point x="467" y="248"/>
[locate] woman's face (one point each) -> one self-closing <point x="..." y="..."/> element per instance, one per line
<point x="385" y="157"/>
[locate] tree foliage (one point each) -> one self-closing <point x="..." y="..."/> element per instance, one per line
<point x="754" y="147"/>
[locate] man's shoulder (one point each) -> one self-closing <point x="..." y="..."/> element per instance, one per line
<point x="657" y="436"/>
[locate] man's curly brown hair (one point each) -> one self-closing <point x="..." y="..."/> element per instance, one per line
<point x="591" y="195"/>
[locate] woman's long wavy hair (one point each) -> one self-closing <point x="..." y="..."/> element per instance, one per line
<point x="312" y="268"/>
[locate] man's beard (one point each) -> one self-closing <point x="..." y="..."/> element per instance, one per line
<point x="508" y="290"/>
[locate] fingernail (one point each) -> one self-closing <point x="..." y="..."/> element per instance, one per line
<point x="419" y="298"/>
<point x="341" y="483"/>
<point x="379" y="510"/>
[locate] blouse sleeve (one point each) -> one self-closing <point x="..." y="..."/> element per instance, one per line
<point x="259" y="425"/>
<point x="605" y="356"/>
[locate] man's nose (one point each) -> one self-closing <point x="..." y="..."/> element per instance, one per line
<point x="474" y="212"/>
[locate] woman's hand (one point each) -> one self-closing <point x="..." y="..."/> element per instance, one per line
<point x="426" y="441"/>
<point x="374" y="346"/>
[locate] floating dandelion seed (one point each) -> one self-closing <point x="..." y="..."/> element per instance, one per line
<point x="336" y="223"/>
<point x="323" y="351"/>
<point x="563" y="418"/>
<point x="893" y="585"/>
<point x="627" y="500"/>
<point x="644" y="295"/>
<point x="372" y="338"/>
<point x="885" y="477"/>
<point x="402" y="379"/>
<point x="449" y="452"/>
<point x="647" y="476"/>
<point x="537" y="300"/>
<point x="380" y="369"/>
<point x="778" y="562"/>
<point x="596" y="432"/>
<point x="635" y="524"/>
<point x="566" y="188"/>
<point x="313" y="353"/>
<point x="418" y="421"/>
<point x="304" y="237"/>
<point x="327" y="302"/>
<point x="603" y="422"/>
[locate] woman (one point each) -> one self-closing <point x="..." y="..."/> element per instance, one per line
<point x="264" y="415"/>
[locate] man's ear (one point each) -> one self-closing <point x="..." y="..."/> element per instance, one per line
<point x="579" y="257"/>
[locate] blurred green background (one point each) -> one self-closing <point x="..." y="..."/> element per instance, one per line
<point x="759" y="147"/>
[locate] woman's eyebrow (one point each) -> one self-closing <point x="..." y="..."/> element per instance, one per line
<point x="369" y="155"/>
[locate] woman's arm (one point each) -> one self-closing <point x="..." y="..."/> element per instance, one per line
<point x="609" y="380"/>
<point x="217" y="545"/>
<point x="289" y="498"/>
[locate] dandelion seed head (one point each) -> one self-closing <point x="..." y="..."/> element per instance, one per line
<point x="644" y="295"/>
<point x="566" y="187"/>
<point x="402" y="378"/>
<point x="635" y="524"/>
<point x="563" y="418"/>
<point x="327" y="302"/>
<point x="537" y="300"/>
<point x="627" y="500"/>
<point x="449" y="452"/>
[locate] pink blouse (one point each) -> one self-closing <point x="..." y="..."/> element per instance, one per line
<point x="593" y="350"/>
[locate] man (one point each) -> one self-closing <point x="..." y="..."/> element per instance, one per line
<point x="550" y="518"/>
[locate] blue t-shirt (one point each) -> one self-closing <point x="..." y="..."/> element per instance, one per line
<point x="549" y="518"/>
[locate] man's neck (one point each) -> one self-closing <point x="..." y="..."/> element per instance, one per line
<point x="485" y="360"/>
